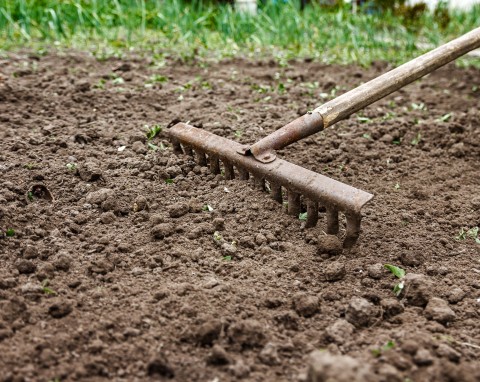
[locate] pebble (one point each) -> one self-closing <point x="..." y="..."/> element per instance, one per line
<point x="438" y="310"/>
<point x="360" y="312"/>
<point x="140" y="204"/>
<point x="306" y="305"/>
<point x="329" y="245"/>
<point x="335" y="271"/>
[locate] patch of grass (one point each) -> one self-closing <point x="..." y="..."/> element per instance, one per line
<point x="10" y="232"/>
<point x="112" y="28"/>
<point x="378" y="352"/>
<point x="302" y="216"/>
<point x="153" y="131"/>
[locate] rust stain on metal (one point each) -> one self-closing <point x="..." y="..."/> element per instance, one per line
<point x="336" y="196"/>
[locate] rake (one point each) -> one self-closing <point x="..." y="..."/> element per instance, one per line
<point x="260" y="160"/>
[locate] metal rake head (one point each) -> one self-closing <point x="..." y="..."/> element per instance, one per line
<point x="318" y="190"/>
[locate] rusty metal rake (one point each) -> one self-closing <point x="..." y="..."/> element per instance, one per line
<point x="261" y="161"/>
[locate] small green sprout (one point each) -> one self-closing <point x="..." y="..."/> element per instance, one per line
<point x="207" y="207"/>
<point x="217" y="236"/>
<point x="445" y="117"/>
<point x="169" y="181"/>
<point x="227" y="258"/>
<point x="30" y="166"/>
<point x="364" y="119"/>
<point x="153" y="147"/>
<point x="46" y="289"/>
<point x="157" y="78"/>
<point x="281" y="88"/>
<point x="30" y="195"/>
<point x="400" y="274"/>
<point x="367" y="136"/>
<point x="100" y="84"/>
<point x="302" y="216"/>
<point x="416" y="140"/>
<point x="118" y="81"/>
<point x="397" y="186"/>
<point x="397" y="141"/>
<point x="10" y="232"/>
<point x="153" y="131"/>
<point x="469" y="233"/>
<point x="71" y="166"/>
<point x="238" y="133"/>
<point x="378" y="352"/>
<point x="418" y="106"/>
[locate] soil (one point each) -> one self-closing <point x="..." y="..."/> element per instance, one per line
<point x="129" y="263"/>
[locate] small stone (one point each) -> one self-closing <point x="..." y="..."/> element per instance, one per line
<point x="140" y="204"/>
<point x="159" y="365"/>
<point x="419" y="289"/>
<point x="107" y="217"/>
<point x="247" y="333"/>
<point x="306" y="305"/>
<point x="89" y="172"/>
<point x="269" y="355"/>
<point x="30" y="252"/>
<point x="446" y="351"/>
<point x="60" y="309"/>
<point x="26" y="266"/>
<point x="99" y="196"/>
<point x="139" y="147"/>
<point x="340" y="331"/>
<point x="335" y="271"/>
<point x="178" y="210"/>
<point x="360" y="312"/>
<point x="208" y="332"/>
<point x="162" y="230"/>
<point x="438" y="310"/>
<point x="219" y="224"/>
<point x="456" y="295"/>
<point x="260" y="239"/>
<point x="423" y="357"/>
<point x="391" y="307"/>
<point x="376" y="271"/>
<point x="329" y="245"/>
<point x="326" y="367"/>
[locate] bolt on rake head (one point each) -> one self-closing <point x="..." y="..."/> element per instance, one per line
<point x="317" y="189"/>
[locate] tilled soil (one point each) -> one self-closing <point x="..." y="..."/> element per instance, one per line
<point x="121" y="261"/>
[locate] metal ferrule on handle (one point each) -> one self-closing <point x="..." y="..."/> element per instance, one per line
<point x="343" y="106"/>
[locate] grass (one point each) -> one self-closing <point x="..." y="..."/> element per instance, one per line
<point x="200" y="29"/>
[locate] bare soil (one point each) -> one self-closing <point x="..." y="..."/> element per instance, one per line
<point x="129" y="263"/>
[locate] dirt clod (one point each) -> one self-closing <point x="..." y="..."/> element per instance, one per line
<point x="335" y="271"/>
<point x="26" y="266"/>
<point x="90" y="172"/>
<point x="306" y="305"/>
<point x="418" y="289"/>
<point x="208" y="332"/>
<point x="329" y="245"/>
<point x="248" y="333"/>
<point x="437" y="309"/>
<point x="99" y="196"/>
<point x="326" y="367"/>
<point x="160" y="366"/>
<point x="160" y="231"/>
<point x="178" y="210"/>
<point x="376" y="271"/>
<point x="60" y="309"/>
<point x="340" y="331"/>
<point x="269" y="355"/>
<point x="360" y="312"/>
<point x="423" y="357"/>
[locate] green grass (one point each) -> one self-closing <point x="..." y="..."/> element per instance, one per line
<point x="198" y="29"/>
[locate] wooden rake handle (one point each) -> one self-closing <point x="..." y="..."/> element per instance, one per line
<point x="343" y="106"/>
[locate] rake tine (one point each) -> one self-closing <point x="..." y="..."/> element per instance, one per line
<point x="259" y="183"/>
<point x="177" y="148"/>
<point x="201" y="158"/>
<point x="244" y="174"/>
<point x="312" y="214"/>
<point x="332" y="221"/>
<point x="294" y="206"/>
<point x="353" y="230"/>
<point x="214" y="164"/>
<point x="187" y="150"/>
<point x="276" y="192"/>
<point x="229" y="172"/>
